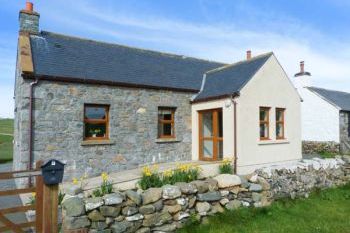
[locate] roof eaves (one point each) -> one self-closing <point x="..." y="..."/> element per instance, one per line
<point x="130" y="47"/>
<point x="102" y="82"/>
<point x="200" y="100"/>
<point x="323" y="97"/>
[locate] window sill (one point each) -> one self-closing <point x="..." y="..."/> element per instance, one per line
<point x="97" y="142"/>
<point x="167" y="140"/>
<point x="277" y="141"/>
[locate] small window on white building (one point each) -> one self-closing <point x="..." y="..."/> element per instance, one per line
<point x="264" y="122"/>
<point x="280" y="123"/>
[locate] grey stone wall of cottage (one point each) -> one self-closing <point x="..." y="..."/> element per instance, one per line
<point x="58" y="126"/>
<point x="314" y="147"/>
<point x="344" y="132"/>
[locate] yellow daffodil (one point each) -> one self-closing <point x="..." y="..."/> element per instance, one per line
<point x="155" y="167"/>
<point x="104" y="176"/>
<point x="33" y="195"/>
<point x="146" y="171"/>
<point x="226" y="161"/>
<point x="168" y="173"/>
<point x="75" y="181"/>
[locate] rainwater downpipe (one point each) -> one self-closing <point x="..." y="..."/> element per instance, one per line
<point x="31" y="132"/>
<point x="234" y="134"/>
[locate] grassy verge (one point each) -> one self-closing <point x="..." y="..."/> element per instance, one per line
<point x="325" y="154"/>
<point x="6" y="147"/>
<point x="6" y="126"/>
<point x="325" y="211"/>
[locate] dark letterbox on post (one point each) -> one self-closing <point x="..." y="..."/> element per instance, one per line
<point x="52" y="172"/>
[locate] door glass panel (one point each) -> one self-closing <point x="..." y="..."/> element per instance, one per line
<point x="207" y="124"/>
<point x="208" y="148"/>
<point x="220" y="149"/>
<point x="220" y="126"/>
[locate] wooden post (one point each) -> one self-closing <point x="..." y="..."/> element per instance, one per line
<point x="50" y="209"/>
<point x="39" y="200"/>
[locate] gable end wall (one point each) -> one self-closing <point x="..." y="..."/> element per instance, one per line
<point x="320" y="119"/>
<point x="270" y="87"/>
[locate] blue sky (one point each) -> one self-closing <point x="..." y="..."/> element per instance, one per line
<point x="314" y="31"/>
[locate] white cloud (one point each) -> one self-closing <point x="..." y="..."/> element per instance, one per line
<point x="326" y="58"/>
<point x="6" y="101"/>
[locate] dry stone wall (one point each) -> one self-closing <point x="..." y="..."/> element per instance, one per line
<point x="313" y="147"/>
<point x="167" y="208"/>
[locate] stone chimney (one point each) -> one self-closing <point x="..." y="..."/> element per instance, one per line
<point x="29" y="20"/>
<point x="302" y="70"/>
<point x="302" y="78"/>
<point x="249" y="54"/>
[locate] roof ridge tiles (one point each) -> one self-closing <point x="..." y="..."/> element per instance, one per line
<point x="326" y="89"/>
<point x="238" y="63"/>
<point x="168" y="54"/>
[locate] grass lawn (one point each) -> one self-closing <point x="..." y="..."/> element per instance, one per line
<point x="6" y="147"/>
<point x="325" y="211"/>
<point x="6" y="126"/>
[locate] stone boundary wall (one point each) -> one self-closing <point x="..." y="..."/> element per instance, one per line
<point x="167" y="208"/>
<point x="313" y="147"/>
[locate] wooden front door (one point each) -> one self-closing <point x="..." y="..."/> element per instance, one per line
<point x="210" y="135"/>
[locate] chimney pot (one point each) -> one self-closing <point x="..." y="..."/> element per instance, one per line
<point x="29" y="6"/>
<point x="249" y="54"/>
<point x="302" y="65"/>
<point x="29" y="19"/>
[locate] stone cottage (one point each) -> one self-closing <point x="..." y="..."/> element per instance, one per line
<point x="107" y="107"/>
<point x="325" y="116"/>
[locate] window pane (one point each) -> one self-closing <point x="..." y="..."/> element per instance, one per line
<point x="263" y="114"/>
<point x="220" y="126"/>
<point x="95" y="130"/>
<point x="263" y="130"/>
<point x="95" y="112"/>
<point x="165" y="114"/>
<point x="208" y="148"/>
<point x="165" y="129"/>
<point x="279" y="130"/>
<point x="279" y="115"/>
<point x="207" y="124"/>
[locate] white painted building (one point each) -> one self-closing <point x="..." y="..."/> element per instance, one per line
<point x="322" y="111"/>
<point x="257" y="96"/>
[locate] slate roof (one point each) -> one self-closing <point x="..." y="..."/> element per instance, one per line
<point x="70" y="58"/>
<point x="230" y="79"/>
<point x="338" y="98"/>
